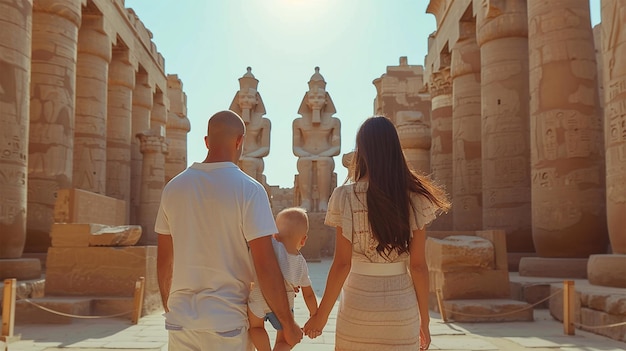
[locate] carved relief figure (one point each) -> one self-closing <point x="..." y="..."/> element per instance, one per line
<point x="316" y="139"/>
<point x="248" y="104"/>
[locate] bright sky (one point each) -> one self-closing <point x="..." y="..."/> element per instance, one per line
<point x="209" y="44"/>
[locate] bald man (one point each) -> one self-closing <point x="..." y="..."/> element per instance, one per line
<point x="215" y="227"/>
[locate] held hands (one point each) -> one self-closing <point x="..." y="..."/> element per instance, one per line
<point x="313" y="328"/>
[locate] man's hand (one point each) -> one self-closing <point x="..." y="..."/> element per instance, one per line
<point x="293" y="334"/>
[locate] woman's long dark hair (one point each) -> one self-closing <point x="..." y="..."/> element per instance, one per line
<point x="379" y="158"/>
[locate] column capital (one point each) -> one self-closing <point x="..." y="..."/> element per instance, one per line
<point x="92" y="39"/>
<point x="68" y="9"/>
<point x="153" y="141"/>
<point x="500" y="19"/>
<point x="440" y="83"/>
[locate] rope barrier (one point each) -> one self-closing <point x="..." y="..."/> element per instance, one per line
<point x="600" y="326"/>
<point x="559" y="291"/>
<point x="504" y="313"/>
<point x="73" y="315"/>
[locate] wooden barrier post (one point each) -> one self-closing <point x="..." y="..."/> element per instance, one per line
<point x="138" y="300"/>
<point x="8" y="308"/>
<point x="568" y="307"/>
<point x="442" y="309"/>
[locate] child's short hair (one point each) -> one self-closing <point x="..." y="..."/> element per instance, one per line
<point x="296" y="218"/>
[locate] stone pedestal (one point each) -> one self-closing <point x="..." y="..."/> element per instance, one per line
<point x="53" y="93"/>
<point x="595" y="307"/>
<point x="441" y="149"/>
<point x="178" y="126"/>
<point x="607" y="270"/>
<point x="614" y="53"/>
<point x="466" y="126"/>
<point x="92" y="70"/>
<point x="468" y="267"/>
<point x="571" y="268"/>
<point x="16" y="26"/>
<point x="566" y="132"/>
<point x="502" y="29"/>
<point x="153" y="148"/>
<point x="118" y="138"/>
<point x="318" y="237"/>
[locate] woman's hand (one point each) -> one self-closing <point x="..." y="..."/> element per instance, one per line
<point x="424" y="337"/>
<point x="313" y="328"/>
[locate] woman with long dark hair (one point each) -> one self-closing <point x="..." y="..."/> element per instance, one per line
<point x="380" y="216"/>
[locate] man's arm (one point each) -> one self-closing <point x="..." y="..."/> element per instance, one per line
<point x="272" y="286"/>
<point x="165" y="266"/>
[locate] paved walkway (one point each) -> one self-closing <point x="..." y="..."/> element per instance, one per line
<point x="118" y="334"/>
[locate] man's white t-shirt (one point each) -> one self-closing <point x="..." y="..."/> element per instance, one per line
<point x="212" y="210"/>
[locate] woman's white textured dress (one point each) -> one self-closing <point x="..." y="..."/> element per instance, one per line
<point x="376" y="312"/>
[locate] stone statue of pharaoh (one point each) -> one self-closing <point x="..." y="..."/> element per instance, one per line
<point x="316" y="139"/>
<point x="248" y="104"/>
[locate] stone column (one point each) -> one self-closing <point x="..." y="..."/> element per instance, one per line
<point x="142" y="106"/>
<point x="178" y="126"/>
<point x="614" y="50"/>
<point x="503" y="40"/>
<point x="466" y="132"/>
<point x="92" y="70"/>
<point x="153" y="148"/>
<point x="51" y="136"/>
<point x="441" y="130"/>
<point x="567" y="157"/>
<point x="119" y="110"/>
<point x="15" y="41"/>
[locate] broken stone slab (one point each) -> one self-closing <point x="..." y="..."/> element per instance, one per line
<point x="89" y="234"/>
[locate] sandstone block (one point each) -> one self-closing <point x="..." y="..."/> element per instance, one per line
<point x="607" y="270"/>
<point x="573" y="268"/>
<point x="496" y="310"/>
<point x="80" y="206"/>
<point x="84" y="235"/>
<point x="460" y="252"/>
<point x="100" y="271"/>
<point x="484" y="284"/>
<point x="20" y="268"/>
<point x="591" y="318"/>
<point x="26" y="313"/>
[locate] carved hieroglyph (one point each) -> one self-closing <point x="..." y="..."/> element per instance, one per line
<point x="52" y="96"/>
<point x="466" y="131"/>
<point x="316" y="139"/>
<point x="15" y="24"/>
<point x="502" y="29"/>
<point x="92" y="66"/>
<point x="440" y="88"/>
<point x="178" y="126"/>
<point x="614" y="50"/>
<point x="249" y="105"/>
<point x="566" y="136"/>
<point x="400" y="98"/>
